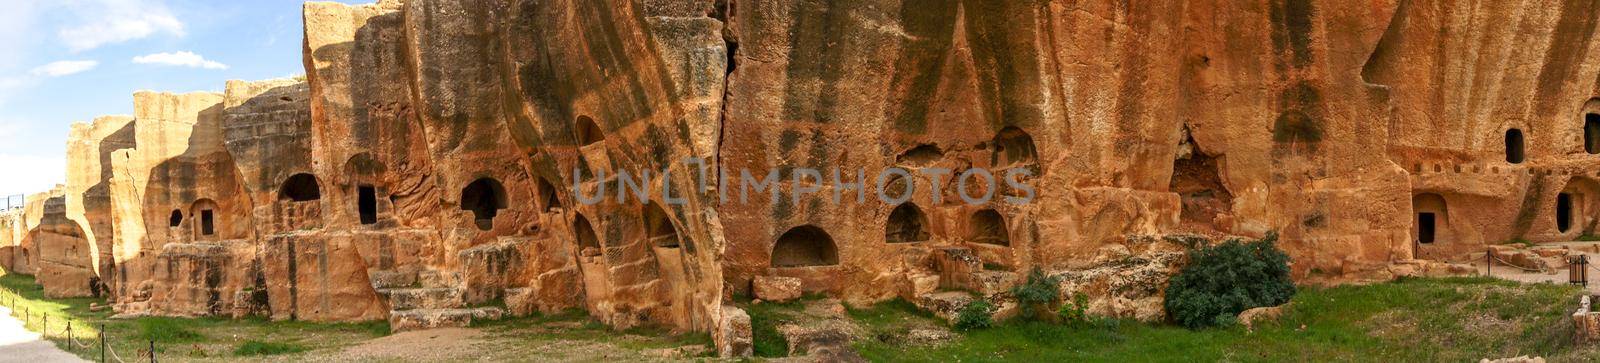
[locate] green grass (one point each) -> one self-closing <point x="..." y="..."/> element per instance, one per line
<point x="1427" y="320"/>
<point x="173" y="337"/>
<point x="576" y="325"/>
<point x="765" y="318"/>
<point x="166" y="330"/>
<point x="1588" y="238"/>
<point x="252" y="347"/>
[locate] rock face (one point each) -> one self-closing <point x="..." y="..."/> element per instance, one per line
<point x="444" y="155"/>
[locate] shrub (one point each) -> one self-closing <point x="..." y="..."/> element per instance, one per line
<point x="976" y="315"/>
<point x="267" y="348"/>
<point x="1040" y="290"/>
<point x="1074" y="312"/>
<point x="1223" y="280"/>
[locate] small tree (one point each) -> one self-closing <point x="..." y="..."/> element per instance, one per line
<point x="1040" y="290"/>
<point x="1223" y="280"/>
<point x="1074" y="311"/>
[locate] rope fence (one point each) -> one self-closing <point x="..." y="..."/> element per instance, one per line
<point x="68" y="336"/>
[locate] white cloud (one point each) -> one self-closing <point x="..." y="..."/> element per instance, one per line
<point x="62" y="68"/>
<point x="104" y="22"/>
<point x="31" y="173"/>
<point x="185" y="59"/>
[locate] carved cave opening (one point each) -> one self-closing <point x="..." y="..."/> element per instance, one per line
<point x="989" y="227"/>
<point x="1426" y="227"/>
<point x="207" y="221"/>
<point x="588" y="131"/>
<point x="906" y="224"/>
<point x="588" y="242"/>
<point x="485" y="197"/>
<point x="204" y="210"/>
<point x="659" y="228"/>
<point x="547" y="196"/>
<point x="175" y="219"/>
<point x="1197" y="180"/>
<point x="300" y="188"/>
<point x="1564" y="212"/>
<point x="1013" y="147"/>
<point x="1431" y="211"/>
<point x="1515" y="152"/>
<point x="367" y="203"/>
<point x="1591" y="133"/>
<point x="804" y="246"/>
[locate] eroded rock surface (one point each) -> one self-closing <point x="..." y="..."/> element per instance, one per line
<point x="444" y="156"/>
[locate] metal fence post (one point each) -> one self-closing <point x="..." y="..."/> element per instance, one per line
<point x="152" y="351"/>
<point x="1488" y="260"/>
<point x="102" y="343"/>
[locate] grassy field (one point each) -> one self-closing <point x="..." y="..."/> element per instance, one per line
<point x="567" y="336"/>
<point x="1414" y="320"/>
<point x="1411" y="320"/>
<point x="177" y="339"/>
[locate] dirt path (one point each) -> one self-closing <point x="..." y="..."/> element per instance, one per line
<point x="20" y="345"/>
<point x="1557" y="276"/>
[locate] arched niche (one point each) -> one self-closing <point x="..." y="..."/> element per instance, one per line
<point x="485" y="198"/>
<point x="1432" y="214"/>
<point x="549" y="201"/>
<point x="588" y="241"/>
<point x="659" y="228"/>
<point x="1013" y="147"/>
<point x="989" y="227"/>
<point x="364" y="176"/>
<point x="1516" y="146"/>
<point x="588" y="132"/>
<point x="906" y="224"/>
<point x="805" y="246"/>
<point x="301" y="187"/>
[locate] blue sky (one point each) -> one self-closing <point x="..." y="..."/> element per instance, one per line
<point x="63" y="61"/>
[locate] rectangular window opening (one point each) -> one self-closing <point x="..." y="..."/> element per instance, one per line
<point x="367" y="204"/>
<point x="1426" y="227"/>
<point x="206" y="227"/>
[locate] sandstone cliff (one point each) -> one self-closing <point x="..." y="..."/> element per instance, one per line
<point x="437" y="162"/>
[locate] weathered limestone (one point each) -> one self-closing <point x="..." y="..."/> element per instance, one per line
<point x="88" y="194"/>
<point x="776" y="288"/>
<point x="1586" y="322"/>
<point x="65" y="264"/>
<point x="441" y="156"/>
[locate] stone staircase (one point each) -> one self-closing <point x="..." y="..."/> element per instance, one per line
<point x="426" y="299"/>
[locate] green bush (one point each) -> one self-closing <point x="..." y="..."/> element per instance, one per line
<point x="1223" y="280"/>
<point x="1074" y="312"/>
<point x="1040" y="290"/>
<point x="976" y="315"/>
<point x="252" y="347"/>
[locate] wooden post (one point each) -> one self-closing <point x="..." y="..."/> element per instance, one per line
<point x="69" y="335"/>
<point x="152" y="351"/>
<point x="102" y="343"/>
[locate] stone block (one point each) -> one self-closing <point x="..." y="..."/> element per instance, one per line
<point x="776" y="288"/>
